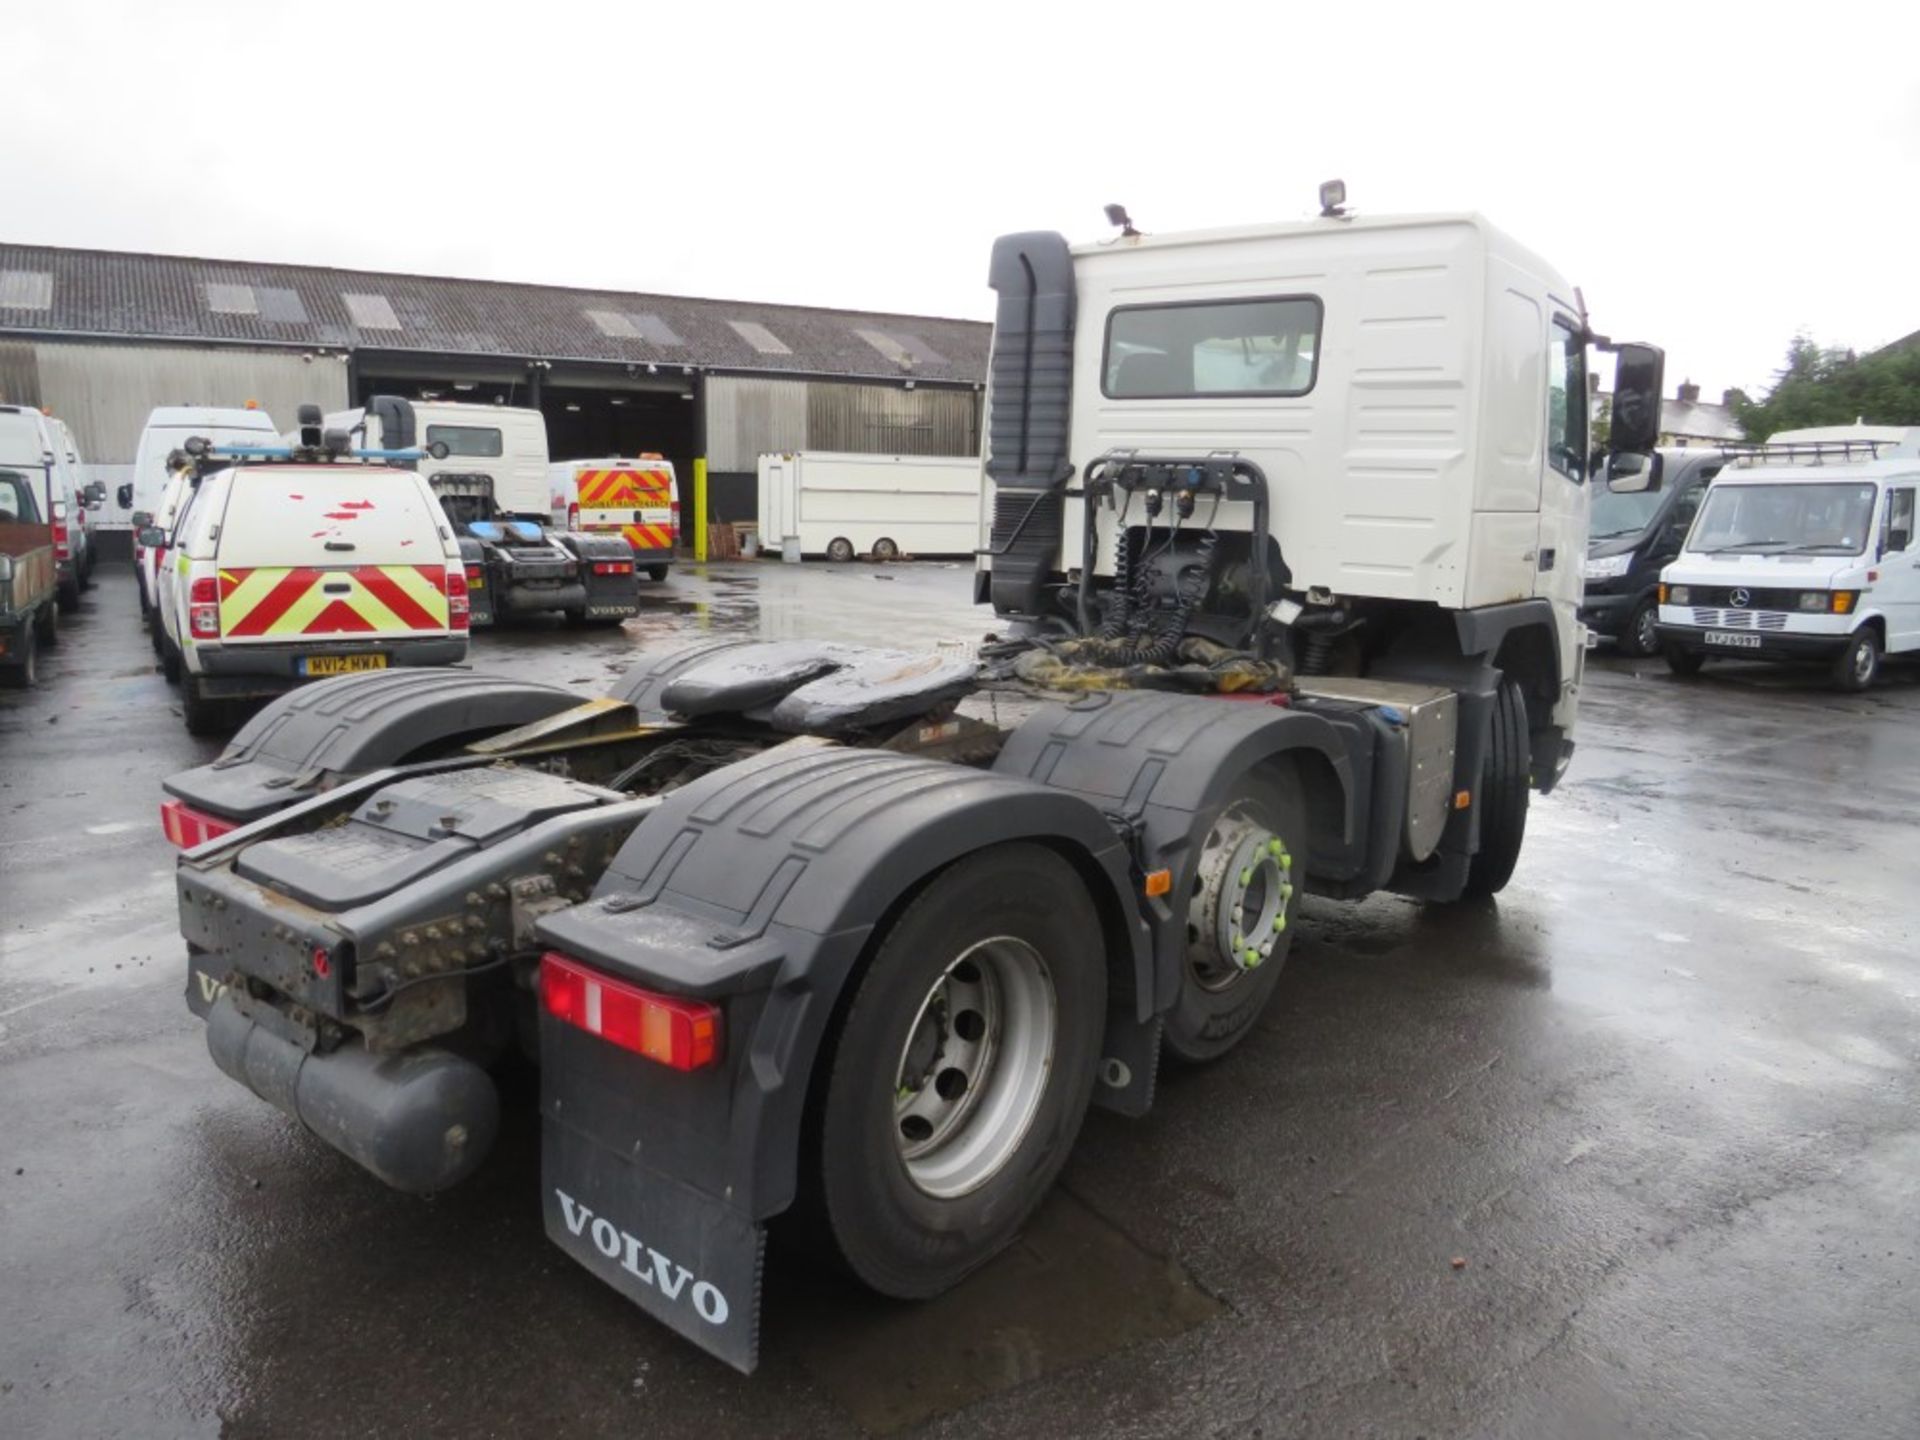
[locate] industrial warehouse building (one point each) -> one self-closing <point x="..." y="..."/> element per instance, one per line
<point x="100" y="338"/>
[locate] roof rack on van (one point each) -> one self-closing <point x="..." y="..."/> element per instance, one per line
<point x="1803" y="452"/>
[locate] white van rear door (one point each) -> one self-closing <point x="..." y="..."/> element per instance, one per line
<point x="335" y="551"/>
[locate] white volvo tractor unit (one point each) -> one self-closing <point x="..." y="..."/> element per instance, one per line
<point x="1287" y="526"/>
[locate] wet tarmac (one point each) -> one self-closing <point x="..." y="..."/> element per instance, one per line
<point x="1635" y="1150"/>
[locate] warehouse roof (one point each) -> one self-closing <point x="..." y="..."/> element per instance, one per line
<point x="110" y="293"/>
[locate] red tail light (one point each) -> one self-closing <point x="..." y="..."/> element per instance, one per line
<point x="203" y="606"/>
<point x="459" y="608"/>
<point x="573" y="516"/>
<point x="62" y="545"/>
<point x="187" y="827"/>
<point x="613" y="567"/>
<point x="684" y="1034"/>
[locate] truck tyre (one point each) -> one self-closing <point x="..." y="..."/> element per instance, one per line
<point x="203" y="716"/>
<point x="69" y="594"/>
<point x="1684" y="663"/>
<point x="1241" y="909"/>
<point x="1642" y="635"/>
<point x="23" y="671"/>
<point x="885" y="549"/>
<point x="47" y="622"/>
<point x="656" y="573"/>
<point x="169" y="657"/>
<point x="1858" y="666"/>
<point x="840" y="549"/>
<point x="962" y="1070"/>
<point x="1502" y="798"/>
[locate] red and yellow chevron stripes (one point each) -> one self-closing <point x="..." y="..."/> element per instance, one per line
<point x="276" y="601"/>
<point x="648" y="537"/>
<point x="623" y="489"/>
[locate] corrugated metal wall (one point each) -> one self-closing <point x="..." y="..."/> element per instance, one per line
<point x="750" y="416"/>
<point x="105" y="391"/>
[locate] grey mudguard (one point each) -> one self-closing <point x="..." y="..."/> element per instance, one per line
<point x="1167" y="763"/>
<point x="308" y="740"/>
<point x="800" y="687"/>
<point x="758" y="887"/>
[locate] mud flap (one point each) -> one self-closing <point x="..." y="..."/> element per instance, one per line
<point x="687" y="1259"/>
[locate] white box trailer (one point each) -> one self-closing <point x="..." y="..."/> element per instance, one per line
<point x="817" y="502"/>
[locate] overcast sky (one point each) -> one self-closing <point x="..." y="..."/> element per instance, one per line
<point x="1715" y="178"/>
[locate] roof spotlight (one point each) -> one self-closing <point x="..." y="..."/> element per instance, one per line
<point x="1333" y="198"/>
<point x="1117" y="215"/>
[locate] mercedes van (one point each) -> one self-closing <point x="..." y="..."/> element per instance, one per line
<point x="1802" y="550"/>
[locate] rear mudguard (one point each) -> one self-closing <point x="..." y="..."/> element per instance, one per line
<point x="757" y="887"/>
<point x="309" y="740"/>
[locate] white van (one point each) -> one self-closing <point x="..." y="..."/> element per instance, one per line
<point x="280" y="572"/>
<point x="1803" y="550"/>
<point x="31" y="438"/>
<point x="168" y="428"/>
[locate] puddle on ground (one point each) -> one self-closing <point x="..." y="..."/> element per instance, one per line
<point x="1072" y="1289"/>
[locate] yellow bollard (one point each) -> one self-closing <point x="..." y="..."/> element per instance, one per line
<point x="700" y="508"/>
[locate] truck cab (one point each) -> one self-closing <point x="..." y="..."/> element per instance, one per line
<point x="1399" y="404"/>
<point x="1804" y="549"/>
<point x="1642" y="508"/>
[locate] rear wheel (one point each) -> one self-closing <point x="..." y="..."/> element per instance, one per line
<point x="169" y="655"/>
<point x="23" y="670"/>
<point x="1642" y="635"/>
<point x="1858" y="666"/>
<point x="657" y="572"/>
<point x="204" y="716"/>
<point x="962" y="1070"/>
<point x="840" y="549"/>
<point x="885" y="549"/>
<point x="69" y="594"/>
<point x="1504" y="780"/>
<point x="1241" y="908"/>
<point x="47" y="622"/>
<point x="1684" y="663"/>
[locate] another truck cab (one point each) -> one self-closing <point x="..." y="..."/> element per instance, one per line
<point x="1803" y="550"/>
<point x="1642" y="507"/>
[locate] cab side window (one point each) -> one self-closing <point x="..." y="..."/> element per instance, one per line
<point x="1566" y="401"/>
<point x="1898" y="532"/>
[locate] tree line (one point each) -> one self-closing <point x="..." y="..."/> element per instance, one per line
<point x="1834" y="386"/>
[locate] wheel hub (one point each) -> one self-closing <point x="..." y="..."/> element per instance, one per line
<point x="1239" y="907"/>
<point x="974" y="1066"/>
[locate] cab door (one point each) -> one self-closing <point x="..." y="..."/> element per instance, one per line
<point x="1559" y="559"/>
<point x="1898" y="589"/>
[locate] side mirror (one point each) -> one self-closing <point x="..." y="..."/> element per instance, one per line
<point x="124" y="496"/>
<point x="142" y="519"/>
<point x="153" y="537"/>
<point x="96" y="494"/>
<point x="1898" y="540"/>
<point x="1639" y="373"/>
<point x="1629" y="474"/>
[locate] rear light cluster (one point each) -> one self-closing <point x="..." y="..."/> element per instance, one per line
<point x="675" y="522"/>
<point x="683" y="1034"/>
<point x="62" y="545"/>
<point x="187" y="827"/>
<point x="613" y="567"/>
<point x="203" y="607"/>
<point x="573" y="516"/>
<point x="459" y="607"/>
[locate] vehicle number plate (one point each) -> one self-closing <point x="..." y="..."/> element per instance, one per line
<point x="1738" y="642"/>
<point x="341" y="664"/>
